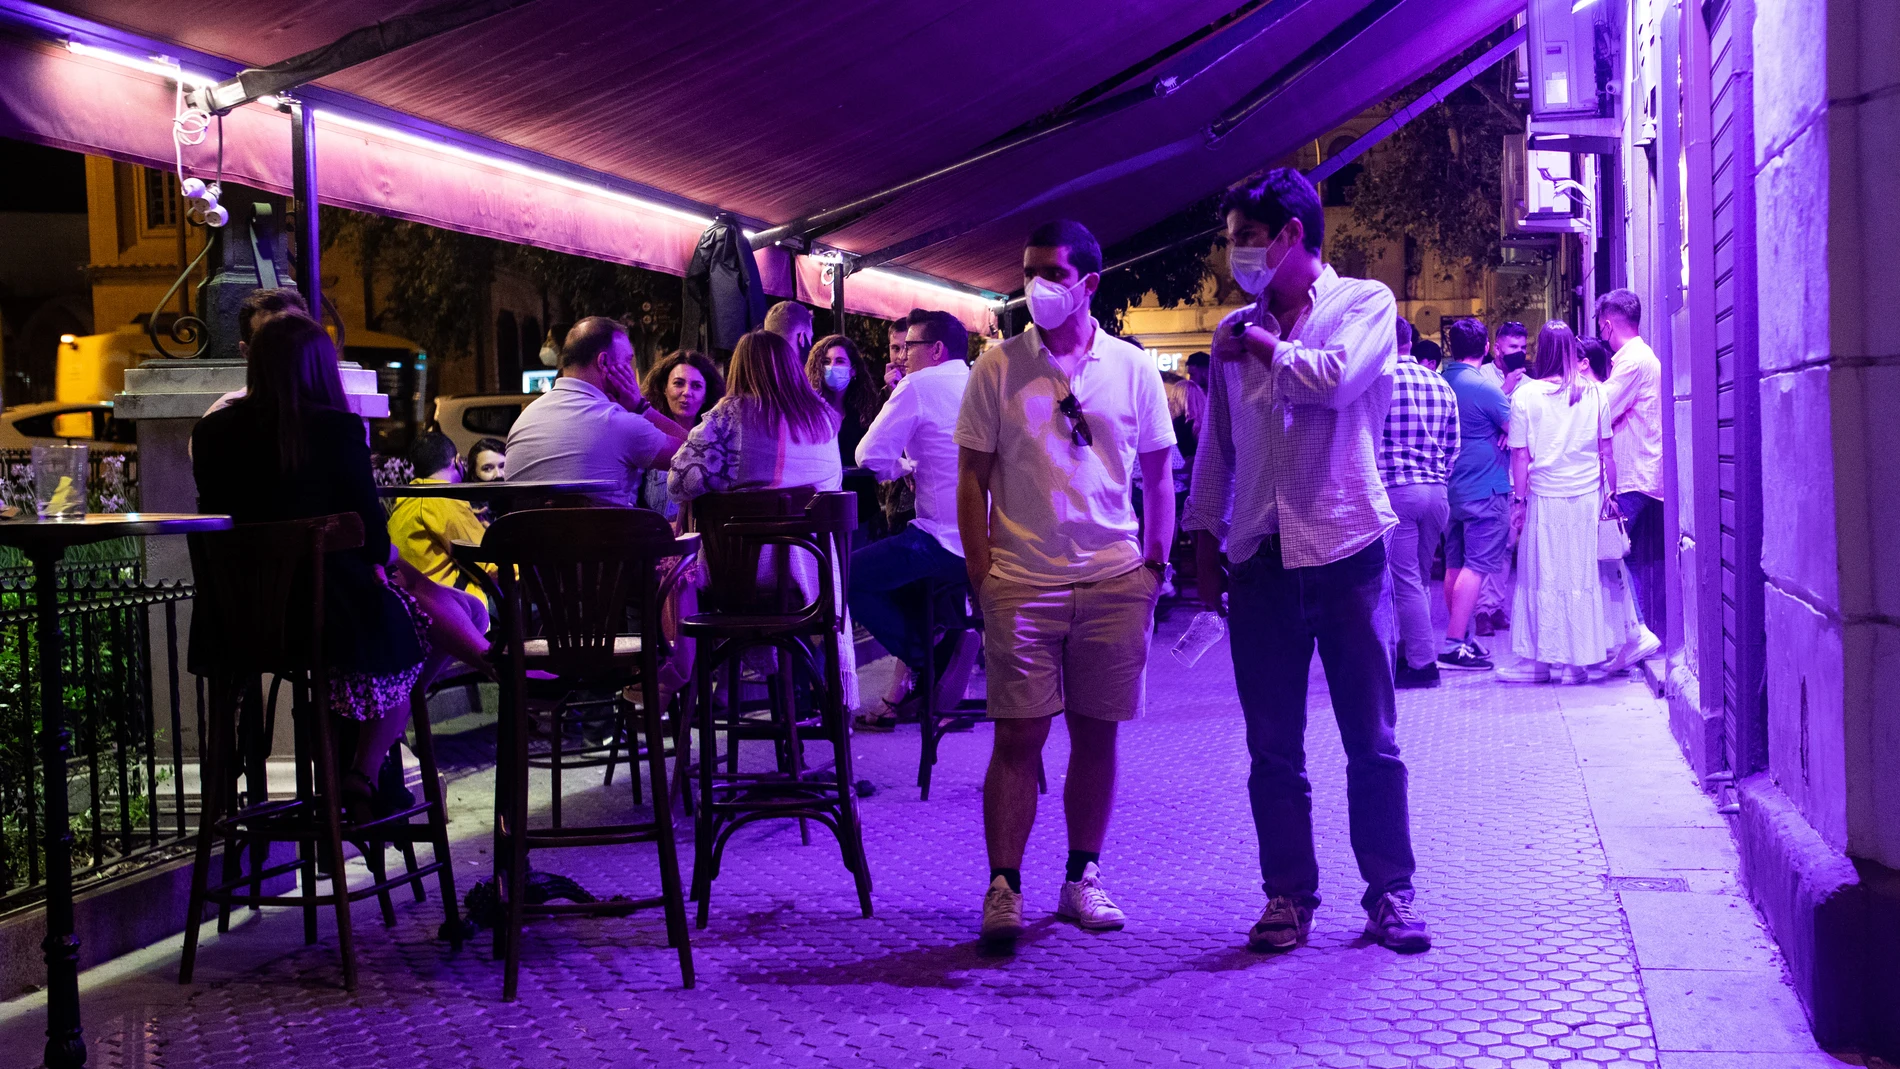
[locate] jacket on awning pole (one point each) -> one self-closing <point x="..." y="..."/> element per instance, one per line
<point x="724" y="297"/>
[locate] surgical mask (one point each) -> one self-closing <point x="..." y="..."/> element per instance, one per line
<point x="1051" y="305"/>
<point x="1249" y="266"/>
<point x="837" y="377"/>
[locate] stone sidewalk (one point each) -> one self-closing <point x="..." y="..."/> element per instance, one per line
<point x="1580" y="885"/>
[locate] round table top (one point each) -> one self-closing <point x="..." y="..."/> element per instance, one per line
<point x="99" y="526"/>
<point x="472" y="491"/>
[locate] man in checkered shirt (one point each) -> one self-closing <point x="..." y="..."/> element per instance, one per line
<point x="1421" y="438"/>
<point x="1286" y="482"/>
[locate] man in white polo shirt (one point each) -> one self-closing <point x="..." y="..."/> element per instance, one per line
<point x="593" y="423"/>
<point x="1053" y="423"/>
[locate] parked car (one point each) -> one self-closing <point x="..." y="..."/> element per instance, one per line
<point x="467" y="420"/>
<point x="24" y="426"/>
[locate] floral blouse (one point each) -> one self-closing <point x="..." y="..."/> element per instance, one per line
<point x="726" y="452"/>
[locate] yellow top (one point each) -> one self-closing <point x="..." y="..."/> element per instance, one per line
<point x="422" y="528"/>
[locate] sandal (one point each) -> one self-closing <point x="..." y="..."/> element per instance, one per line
<point x="887" y="720"/>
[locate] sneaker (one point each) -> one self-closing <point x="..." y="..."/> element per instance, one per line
<point x="1394" y="923"/>
<point x="1086" y="902"/>
<point x="1002" y="912"/>
<point x="1282" y="926"/>
<point x="1500" y="621"/>
<point x="1409" y="678"/>
<point x="1644" y="646"/>
<point x="1483" y="623"/>
<point x="1464" y="657"/>
<point x="1479" y="648"/>
<point x="1525" y="671"/>
<point x="1573" y="675"/>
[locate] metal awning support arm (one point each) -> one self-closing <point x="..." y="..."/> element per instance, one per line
<point x="1323" y="49"/>
<point x="357" y="46"/>
<point x="1183" y="69"/>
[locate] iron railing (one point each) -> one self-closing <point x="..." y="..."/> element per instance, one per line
<point x="129" y="807"/>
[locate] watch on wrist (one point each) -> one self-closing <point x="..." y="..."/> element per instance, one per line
<point x="1163" y="570"/>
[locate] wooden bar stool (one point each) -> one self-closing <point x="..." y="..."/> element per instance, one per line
<point x="566" y="580"/>
<point x="754" y="610"/>
<point x="260" y="612"/>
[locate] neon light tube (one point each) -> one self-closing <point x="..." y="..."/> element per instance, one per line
<point x="162" y="66"/>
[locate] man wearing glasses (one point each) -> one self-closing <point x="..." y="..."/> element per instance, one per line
<point x="1052" y="425"/>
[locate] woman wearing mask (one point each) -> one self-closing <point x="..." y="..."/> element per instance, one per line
<point x="1560" y="462"/>
<point x="837" y="372"/>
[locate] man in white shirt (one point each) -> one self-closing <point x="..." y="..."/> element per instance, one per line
<point x="1634" y="410"/>
<point x="912" y="435"/>
<point x="1287" y="477"/>
<point x="593" y="423"/>
<point x="1053" y="425"/>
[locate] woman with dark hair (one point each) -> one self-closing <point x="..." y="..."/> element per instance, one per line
<point x="683" y="385"/>
<point x="771" y="430"/>
<point x="292" y="449"/>
<point x="836" y="371"/>
<point x="1560" y="463"/>
<point x="487" y="461"/>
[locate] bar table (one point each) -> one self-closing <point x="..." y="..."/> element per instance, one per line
<point x="45" y="543"/>
<point x="514" y="495"/>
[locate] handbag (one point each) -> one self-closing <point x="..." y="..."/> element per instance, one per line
<point x="1613" y="537"/>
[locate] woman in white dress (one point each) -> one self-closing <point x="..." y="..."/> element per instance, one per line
<point x="1560" y="462"/>
<point x="771" y="430"/>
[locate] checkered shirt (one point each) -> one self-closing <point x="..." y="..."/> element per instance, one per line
<point x="1421" y="427"/>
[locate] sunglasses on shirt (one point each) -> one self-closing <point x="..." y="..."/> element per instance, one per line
<point x="1079" y="432"/>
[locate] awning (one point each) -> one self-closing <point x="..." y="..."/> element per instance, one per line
<point x="616" y="130"/>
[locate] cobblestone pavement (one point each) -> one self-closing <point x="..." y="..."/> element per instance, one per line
<point x="1533" y="965"/>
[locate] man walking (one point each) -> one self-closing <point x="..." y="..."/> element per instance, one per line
<point x="1053" y="425"/>
<point x="1421" y="438"/>
<point x="1634" y="410"/>
<point x="912" y="435"/>
<point x="1478" y="546"/>
<point x="1288" y="475"/>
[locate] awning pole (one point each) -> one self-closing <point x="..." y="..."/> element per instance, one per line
<point x="303" y="205"/>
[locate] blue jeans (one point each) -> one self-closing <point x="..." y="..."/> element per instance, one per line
<point x="885" y="596"/>
<point x="1644" y="516"/>
<point x="1278" y="616"/>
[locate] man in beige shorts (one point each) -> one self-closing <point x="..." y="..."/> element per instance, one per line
<point x="1052" y="425"/>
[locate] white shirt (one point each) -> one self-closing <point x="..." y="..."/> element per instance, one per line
<point x="1061" y="513"/>
<point x="575" y="432"/>
<point x="1561" y="437"/>
<point x="1635" y="418"/>
<point x="914" y="433"/>
<point x="1293" y="449"/>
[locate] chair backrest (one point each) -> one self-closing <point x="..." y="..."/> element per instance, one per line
<point x="732" y="563"/>
<point x="822" y="531"/>
<point x="258" y="604"/>
<point x="567" y="576"/>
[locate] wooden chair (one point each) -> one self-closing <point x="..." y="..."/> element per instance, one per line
<point x="259" y="609"/>
<point x="566" y="581"/>
<point x="804" y="630"/>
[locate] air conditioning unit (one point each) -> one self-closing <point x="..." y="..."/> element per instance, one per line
<point x="1576" y="52"/>
<point x="1545" y="191"/>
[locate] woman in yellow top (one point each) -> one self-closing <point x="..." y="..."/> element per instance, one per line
<point x="423" y="529"/>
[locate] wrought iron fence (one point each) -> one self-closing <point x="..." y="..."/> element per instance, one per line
<point x="126" y="777"/>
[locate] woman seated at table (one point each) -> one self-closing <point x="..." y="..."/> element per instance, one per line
<point x="683" y="385"/>
<point x="772" y="430"/>
<point x="424" y="530"/>
<point x="837" y="372"/>
<point x="292" y="449"/>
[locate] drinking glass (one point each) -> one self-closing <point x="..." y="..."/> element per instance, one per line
<point x="59" y="480"/>
<point x="1202" y="633"/>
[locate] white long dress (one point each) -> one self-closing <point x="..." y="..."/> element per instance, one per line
<point x="1558" y="614"/>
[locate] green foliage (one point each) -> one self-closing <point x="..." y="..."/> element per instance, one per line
<point x="1175" y="276"/>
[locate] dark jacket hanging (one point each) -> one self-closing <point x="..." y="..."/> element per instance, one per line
<point x="724" y="297"/>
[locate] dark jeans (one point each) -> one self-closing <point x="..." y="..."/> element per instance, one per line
<point x="886" y="598"/>
<point x="1278" y="616"/>
<point x="1644" y="516"/>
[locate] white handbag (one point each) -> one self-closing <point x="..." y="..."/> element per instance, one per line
<point x="1613" y="537"/>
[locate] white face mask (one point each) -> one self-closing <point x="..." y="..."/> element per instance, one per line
<point x="1051" y="305"/>
<point x="1249" y="266"/>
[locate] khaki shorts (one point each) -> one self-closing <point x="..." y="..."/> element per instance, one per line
<point x="1080" y="648"/>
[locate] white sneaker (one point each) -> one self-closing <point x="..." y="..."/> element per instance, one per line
<point x="1086" y="902"/>
<point x="1572" y="675"/>
<point x="1002" y="912"/>
<point x="1524" y="672"/>
<point x="1644" y="646"/>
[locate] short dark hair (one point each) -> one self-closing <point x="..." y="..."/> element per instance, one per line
<point x="1623" y="304"/>
<point x="946" y="328"/>
<point x="431" y="452"/>
<point x="1408" y="334"/>
<point x="1513" y="329"/>
<point x="1281" y="194"/>
<point x="589" y="338"/>
<point x="1085" y="253"/>
<point x="259" y="305"/>
<point x="1196" y="360"/>
<point x="1468" y="338"/>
